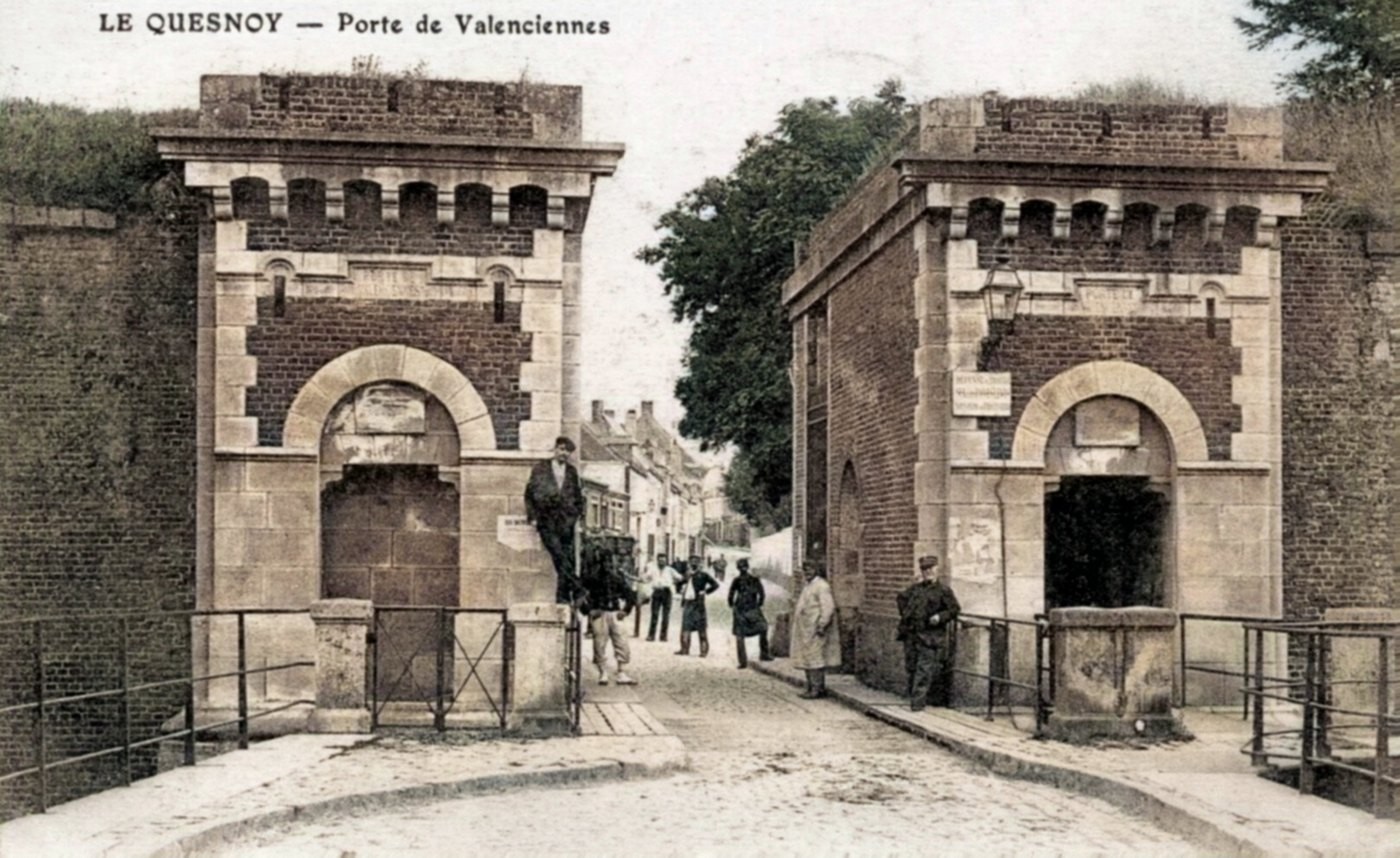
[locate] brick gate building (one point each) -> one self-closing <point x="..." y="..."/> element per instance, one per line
<point x="1093" y="354"/>
<point x="388" y="339"/>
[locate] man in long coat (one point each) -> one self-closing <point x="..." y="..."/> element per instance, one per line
<point x="816" y="636"/>
<point x="553" y="503"/>
<point x="927" y="609"/>
<point x="746" y="599"/>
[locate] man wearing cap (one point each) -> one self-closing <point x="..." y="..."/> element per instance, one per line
<point x="927" y="609"/>
<point x="746" y="599"/>
<point x="553" y="503"/>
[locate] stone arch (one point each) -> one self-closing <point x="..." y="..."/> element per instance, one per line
<point x="313" y="403"/>
<point x="1110" y="378"/>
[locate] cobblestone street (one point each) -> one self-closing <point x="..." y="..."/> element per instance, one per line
<point x="771" y="774"/>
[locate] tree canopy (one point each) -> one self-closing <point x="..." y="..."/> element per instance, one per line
<point x="56" y="155"/>
<point x="725" y="249"/>
<point x="1356" y="44"/>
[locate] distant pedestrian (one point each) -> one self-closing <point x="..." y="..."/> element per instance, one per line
<point x="746" y="599"/>
<point x="553" y="503"/>
<point x="694" y="586"/>
<point x="816" y="635"/>
<point x="608" y="598"/>
<point x="927" y="609"/>
<point x="717" y="567"/>
<point x="661" y="578"/>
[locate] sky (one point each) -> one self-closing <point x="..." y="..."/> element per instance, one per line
<point x="682" y="84"/>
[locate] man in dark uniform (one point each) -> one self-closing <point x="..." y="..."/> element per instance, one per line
<point x="695" y="584"/>
<point x="746" y="600"/>
<point x="553" y="503"/>
<point x="927" y="609"/>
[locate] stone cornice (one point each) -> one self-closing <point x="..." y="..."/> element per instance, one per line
<point x="369" y="148"/>
<point x="1299" y="177"/>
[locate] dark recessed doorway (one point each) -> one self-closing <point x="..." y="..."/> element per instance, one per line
<point x="1103" y="543"/>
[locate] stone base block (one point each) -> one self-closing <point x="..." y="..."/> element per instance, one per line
<point x="1083" y="729"/>
<point x="338" y="721"/>
<point x="538" y="724"/>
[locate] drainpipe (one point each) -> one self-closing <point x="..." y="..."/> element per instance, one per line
<point x="1001" y="529"/>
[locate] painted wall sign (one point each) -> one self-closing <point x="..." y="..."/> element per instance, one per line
<point x="981" y="394"/>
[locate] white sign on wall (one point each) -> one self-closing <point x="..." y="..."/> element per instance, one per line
<point x="981" y="394"/>
<point x="517" y="533"/>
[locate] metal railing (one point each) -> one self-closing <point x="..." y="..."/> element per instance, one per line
<point x="998" y="677"/>
<point x="1318" y="744"/>
<point x="404" y="634"/>
<point x="573" y="671"/>
<point x="1185" y="667"/>
<point x="45" y="707"/>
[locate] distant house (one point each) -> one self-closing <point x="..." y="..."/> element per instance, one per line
<point x="649" y="476"/>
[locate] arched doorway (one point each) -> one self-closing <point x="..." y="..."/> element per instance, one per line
<point x="847" y="578"/>
<point x="1107" y="537"/>
<point x="390" y="523"/>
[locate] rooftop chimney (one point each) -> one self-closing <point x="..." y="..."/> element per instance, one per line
<point x="598" y="411"/>
<point x="646" y="407"/>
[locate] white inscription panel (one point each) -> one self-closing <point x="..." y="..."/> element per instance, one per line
<point x="981" y="394"/>
<point x="390" y="409"/>
<point x="517" y="533"/>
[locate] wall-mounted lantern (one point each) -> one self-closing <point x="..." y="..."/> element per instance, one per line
<point x="1002" y="291"/>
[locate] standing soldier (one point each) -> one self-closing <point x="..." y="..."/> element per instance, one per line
<point x="927" y="609"/>
<point x="553" y="503"/>
<point x="746" y="600"/>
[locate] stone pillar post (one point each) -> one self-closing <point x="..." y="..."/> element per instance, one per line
<point x="1355" y="664"/>
<point x="342" y="652"/>
<point x="1113" y="672"/>
<point x="539" y="687"/>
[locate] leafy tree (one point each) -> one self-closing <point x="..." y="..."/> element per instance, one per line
<point x="1357" y="44"/>
<point x="56" y="155"/>
<point x="726" y="248"/>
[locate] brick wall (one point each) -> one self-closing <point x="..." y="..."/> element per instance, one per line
<point x="455" y="239"/>
<point x="873" y="336"/>
<point x="97" y="337"/>
<point x="1039" y="348"/>
<point x="1110" y="256"/>
<point x="336" y="103"/>
<point x="1338" y="421"/>
<point x="1037" y="127"/>
<point x="290" y="349"/>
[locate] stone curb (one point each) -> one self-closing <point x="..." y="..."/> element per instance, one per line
<point x="223" y="832"/>
<point x="1218" y="832"/>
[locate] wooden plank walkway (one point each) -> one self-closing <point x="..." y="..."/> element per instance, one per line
<point x="620" y="719"/>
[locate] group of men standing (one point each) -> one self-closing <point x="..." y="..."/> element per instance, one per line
<point x="690" y="583"/>
<point x="927" y="607"/>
